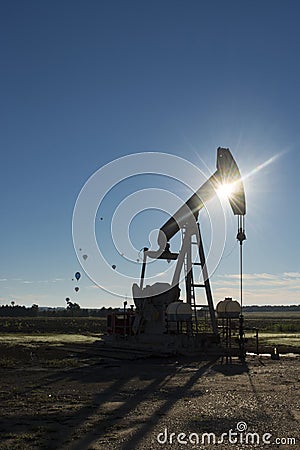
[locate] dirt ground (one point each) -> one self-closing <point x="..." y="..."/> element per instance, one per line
<point x="70" y="398"/>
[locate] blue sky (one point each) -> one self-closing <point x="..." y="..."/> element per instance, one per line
<point x="85" y="82"/>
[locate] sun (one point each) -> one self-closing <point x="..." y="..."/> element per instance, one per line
<point x="225" y="190"/>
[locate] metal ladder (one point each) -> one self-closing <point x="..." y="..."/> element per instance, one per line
<point x="191" y="285"/>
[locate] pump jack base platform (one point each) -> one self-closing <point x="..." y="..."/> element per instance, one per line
<point x="166" y="345"/>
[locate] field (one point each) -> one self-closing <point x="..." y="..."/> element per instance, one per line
<point x="42" y="325"/>
<point x="57" y="391"/>
<point x="274" y="321"/>
<point x="275" y="329"/>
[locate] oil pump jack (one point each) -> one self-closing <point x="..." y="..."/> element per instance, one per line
<point x="161" y="319"/>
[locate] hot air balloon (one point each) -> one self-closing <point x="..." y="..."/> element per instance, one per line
<point x="77" y="275"/>
<point x="85" y="257"/>
<point x="114" y="266"/>
<point x="77" y="289"/>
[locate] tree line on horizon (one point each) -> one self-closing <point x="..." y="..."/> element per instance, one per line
<point x="74" y="310"/>
<point x="71" y="310"/>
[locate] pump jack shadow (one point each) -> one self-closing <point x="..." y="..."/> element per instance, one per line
<point x="231" y="369"/>
<point x="118" y="404"/>
<point x="80" y="428"/>
<point x="155" y="386"/>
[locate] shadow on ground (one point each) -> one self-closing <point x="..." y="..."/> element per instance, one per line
<point x="75" y="407"/>
<point x="111" y="404"/>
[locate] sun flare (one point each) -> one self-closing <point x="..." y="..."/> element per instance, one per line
<point x="225" y="190"/>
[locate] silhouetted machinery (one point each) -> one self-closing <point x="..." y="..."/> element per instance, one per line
<point x="161" y="320"/>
